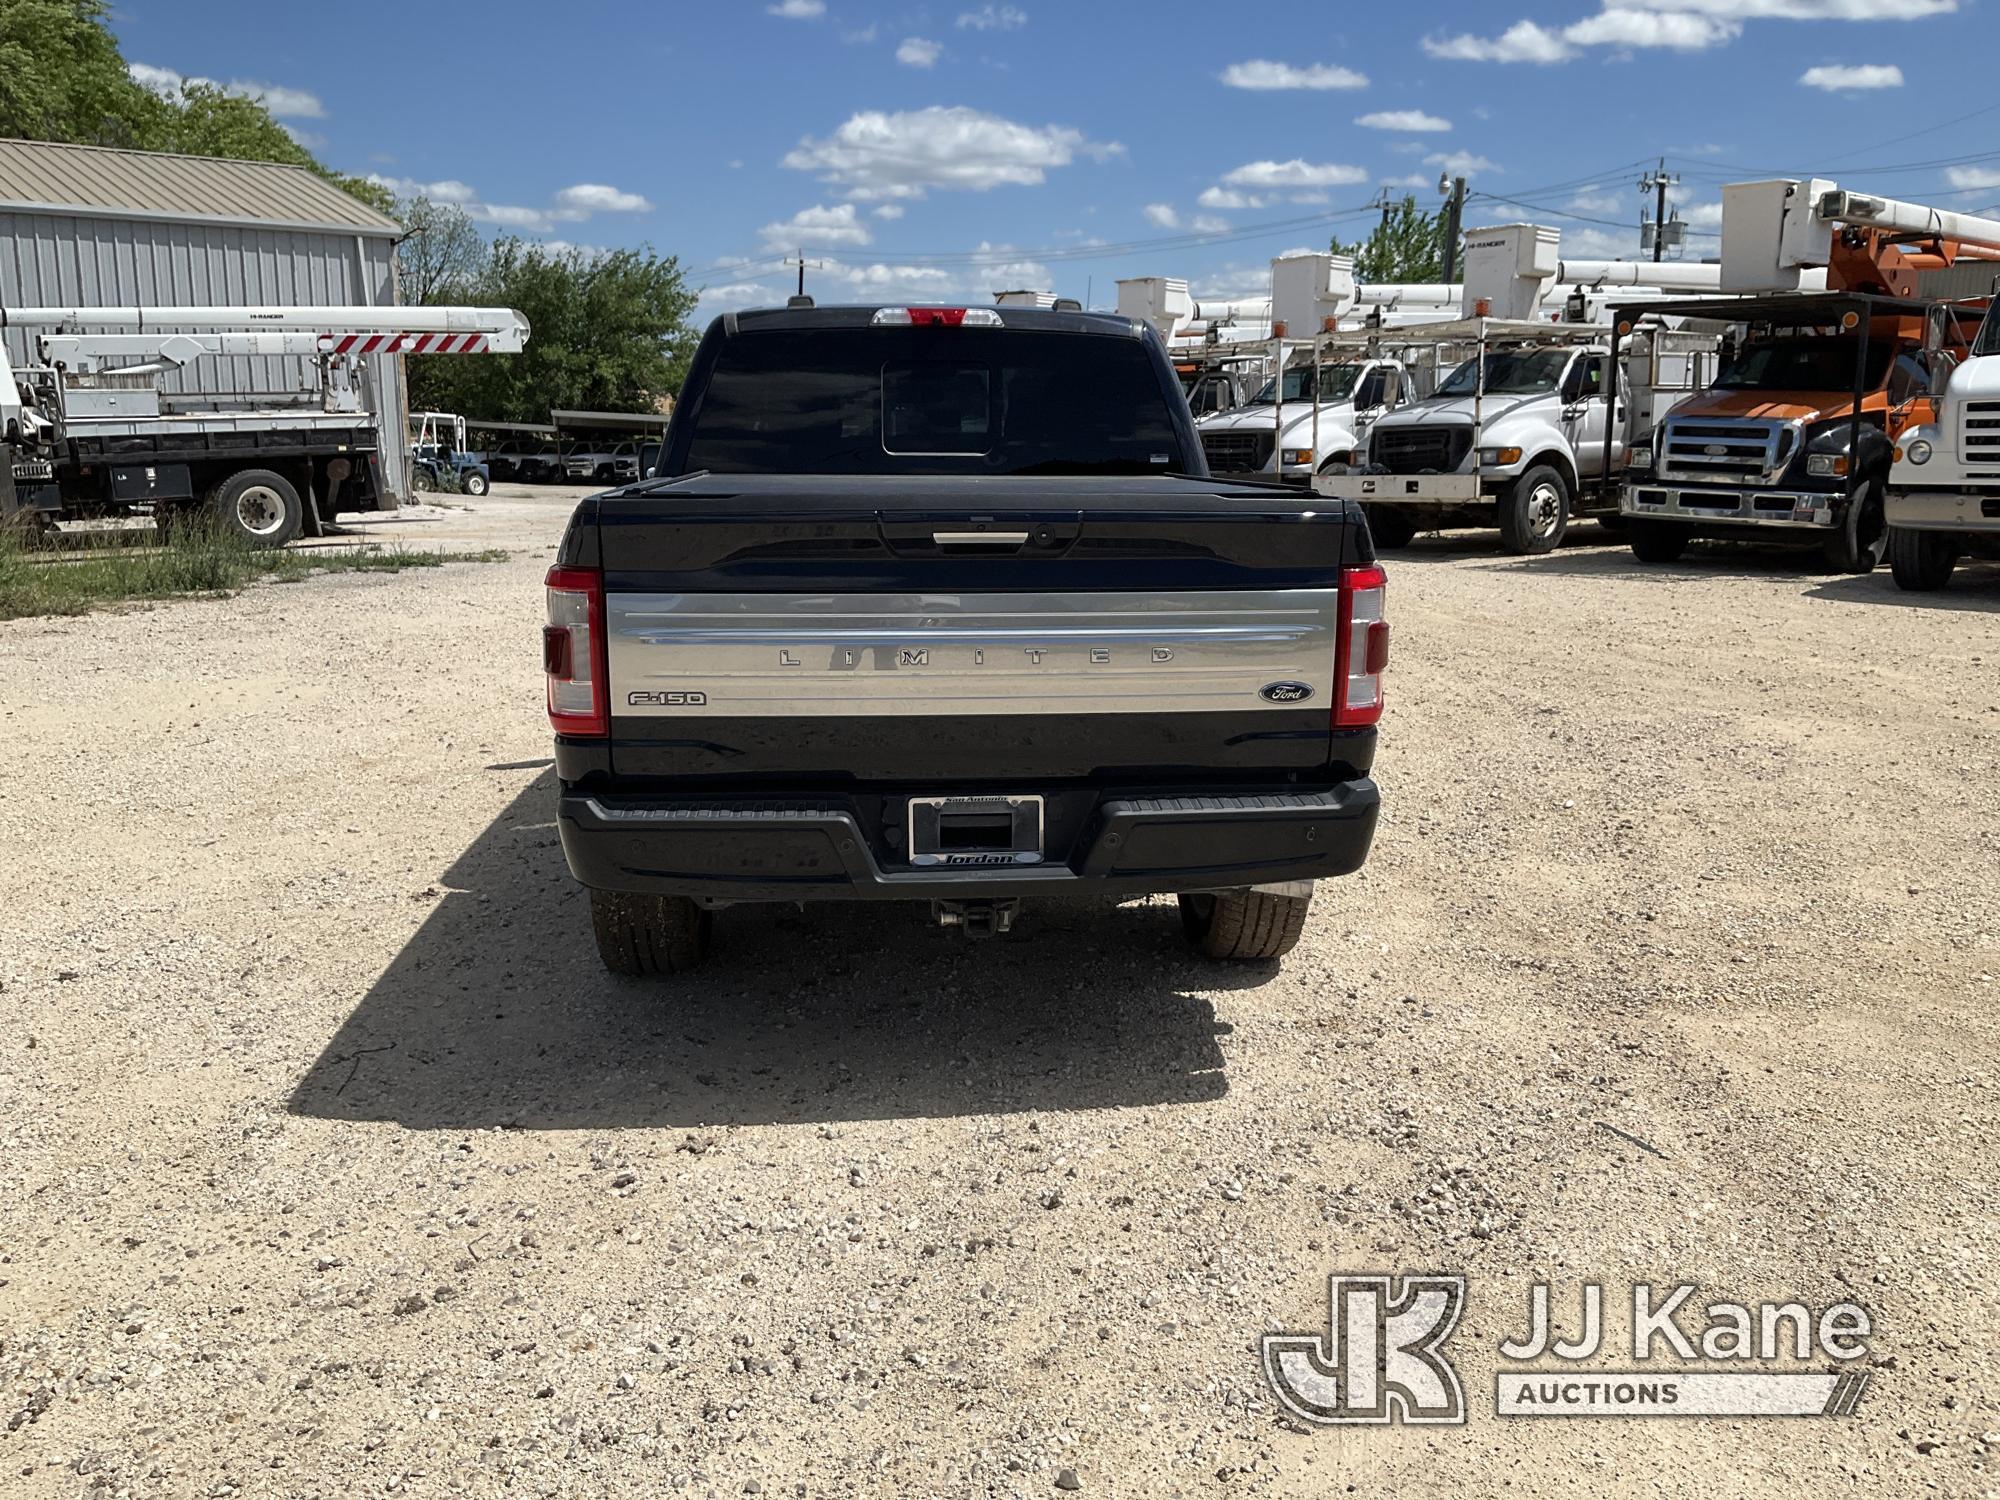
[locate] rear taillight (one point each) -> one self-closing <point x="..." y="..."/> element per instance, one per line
<point x="1362" y="651"/>
<point x="573" y="652"/>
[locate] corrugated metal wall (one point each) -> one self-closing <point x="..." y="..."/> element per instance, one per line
<point x="86" y="261"/>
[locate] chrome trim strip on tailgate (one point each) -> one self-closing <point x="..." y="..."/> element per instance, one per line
<point x="690" y="656"/>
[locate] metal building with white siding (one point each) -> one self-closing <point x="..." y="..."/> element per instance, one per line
<point x="90" y="226"/>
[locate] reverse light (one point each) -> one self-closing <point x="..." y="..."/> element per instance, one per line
<point x="1361" y="649"/>
<point x="573" y="653"/>
<point x="935" y="317"/>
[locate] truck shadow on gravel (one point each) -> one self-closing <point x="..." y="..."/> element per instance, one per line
<point x="1976" y="588"/>
<point x="496" y="1012"/>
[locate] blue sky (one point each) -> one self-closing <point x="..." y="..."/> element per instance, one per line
<point x="947" y="150"/>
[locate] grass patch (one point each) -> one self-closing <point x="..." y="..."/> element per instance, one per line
<point x="79" y="574"/>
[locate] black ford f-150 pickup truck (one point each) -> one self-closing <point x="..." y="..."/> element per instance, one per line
<point x="939" y="604"/>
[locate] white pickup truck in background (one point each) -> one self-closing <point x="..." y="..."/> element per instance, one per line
<point x="1292" y="428"/>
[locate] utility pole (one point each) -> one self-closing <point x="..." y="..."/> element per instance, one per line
<point x="1657" y="182"/>
<point x="1454" y="216"/>
<point x="1381" y="201"/>
<point x="801" y="262"/>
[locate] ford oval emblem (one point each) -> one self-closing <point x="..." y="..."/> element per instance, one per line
<point x="1285" y="692"/>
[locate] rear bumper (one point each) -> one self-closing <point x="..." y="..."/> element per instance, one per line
<point x="820" y="849"/>
<point x="1797" y="510"/>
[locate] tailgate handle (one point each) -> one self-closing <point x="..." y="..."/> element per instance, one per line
<point x="979" y="538"/>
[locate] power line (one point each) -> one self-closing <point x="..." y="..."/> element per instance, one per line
<point x="1563" y="213"/>
<point x="762" y="267"/>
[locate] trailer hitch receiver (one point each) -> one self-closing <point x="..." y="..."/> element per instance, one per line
<point x="977" y="918"/>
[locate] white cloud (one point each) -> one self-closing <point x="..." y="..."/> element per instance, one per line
<point x="730" y="296"/>
<point x="587" y="198"/>
<point x="1208" y="224"/>
<point x="1260" y="74"/>
<point x="798" y="10"/>
<point x="1222" y="197"/>
<point x="1412" y="180"/>
<point x="861" y="36"/>
<point x="1683" y="31"/>
<point x="1163" y="215"/>
<point x="1524" y="41"/>
<point x="1973" y="179"/>
<point x="1594" y="200"/>
<point x="1835" y="77"/>
<point x="1682" y="25"/>
<point x="1460" y="163"/>
<point x="918" y="53"/>
<point x="888" y="210"/>
<point x="1402" y="119"/>
<point x="283" y="103"/>
<point x="994" y="18"/>
<point x="570" y="206"/>
<point x="818" y="225"/>
<point x="902" y="155"/>
<point x="1294" y="173"/>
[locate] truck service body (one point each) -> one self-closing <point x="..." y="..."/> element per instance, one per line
<point x="939" y="604"/>
<point x="86" y="437"/>
<point x="1530" y="430"/>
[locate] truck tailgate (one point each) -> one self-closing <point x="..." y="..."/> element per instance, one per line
<point x="836" y="631"/>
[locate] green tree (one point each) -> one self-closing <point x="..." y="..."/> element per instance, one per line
<point x="62" y="78"/>
<point x="1408" y="245"/>
<point x="442" y="253"/>
<point x="609" y="332"/>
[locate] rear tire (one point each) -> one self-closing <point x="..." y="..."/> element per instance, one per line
<point x="257" y="506"/>
<point x="1534" y="513"/>
<point x="645" y="936"/>
<point x="1656" y="541"/>
<point x="1391" y="526"/>
<point x="1861" y="539"/>
<point x="1243" y="924"/>
<point x="1921" y="561"/>
<point x="474" y="482"/>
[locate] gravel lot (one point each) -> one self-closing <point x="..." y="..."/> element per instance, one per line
<point x="330" y="1162"/>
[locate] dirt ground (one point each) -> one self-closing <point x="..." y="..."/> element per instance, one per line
<point x="331" y="1163"/>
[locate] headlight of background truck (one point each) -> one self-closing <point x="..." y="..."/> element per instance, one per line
<point x="1918" y="452"/>
<point x="1296" y="455"/>
<point x="1499" y="458"/>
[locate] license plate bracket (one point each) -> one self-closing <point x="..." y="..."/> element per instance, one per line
<point x="961" y="831"/>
